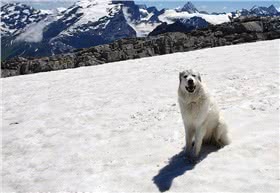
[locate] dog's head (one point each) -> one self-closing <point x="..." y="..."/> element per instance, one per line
<point x="190" y="81"/>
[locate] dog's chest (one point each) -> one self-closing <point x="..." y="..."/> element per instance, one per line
<point x="194" y="113"/>
<point x="193" y="110"/>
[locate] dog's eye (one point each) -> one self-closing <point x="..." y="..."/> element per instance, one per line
<point x="185" y="76"/>
<point x="194" y="75"/>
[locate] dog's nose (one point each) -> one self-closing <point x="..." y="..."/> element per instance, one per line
<point x="190" y="81"/>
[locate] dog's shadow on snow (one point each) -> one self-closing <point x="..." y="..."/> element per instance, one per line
<point x="177" y="166"/>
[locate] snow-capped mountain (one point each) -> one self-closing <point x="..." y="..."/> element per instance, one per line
<point x="263" y="11"/>
<point x="16" y="16"/>
<point x="258" y="11"/>
<point x="86" y="23"/>
<point x="29" y="32"/>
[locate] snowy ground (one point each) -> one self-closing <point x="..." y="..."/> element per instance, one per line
<point x="117" y="127"/>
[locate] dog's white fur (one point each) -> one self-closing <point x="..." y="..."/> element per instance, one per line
<point x="200" y="114"/>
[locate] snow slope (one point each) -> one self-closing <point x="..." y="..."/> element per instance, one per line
<point x="117" y="127"/>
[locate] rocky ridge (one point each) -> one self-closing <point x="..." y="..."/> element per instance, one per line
<point x="240" y="30"/>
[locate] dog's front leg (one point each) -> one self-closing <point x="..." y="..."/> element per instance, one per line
<point x="188" y="138"/>
<point x="199" y="135"/>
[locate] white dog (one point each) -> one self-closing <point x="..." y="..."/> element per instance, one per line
<point x="200" y="114"/>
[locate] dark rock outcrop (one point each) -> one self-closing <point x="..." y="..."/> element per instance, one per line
<point x="241" y="30"/>
<point x="177" y="26"/>
<point x="180" y="25"/>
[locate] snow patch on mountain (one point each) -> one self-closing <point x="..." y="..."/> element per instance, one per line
<point x="170" y="16"/>
<point x="93" y="10"/>
<point x="46" y="11"/>
<point x="58" y="10"/>
<point x="146" y="15"/>
<point x="142" y="27"/>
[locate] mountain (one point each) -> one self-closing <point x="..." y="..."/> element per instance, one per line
<point x="257" y="11"/>
<point x="88" y="23"/>
<point x="175" y="20"/>
<point x="29" y="32"/>
<point x="188" y="7"/>
<point x="84" y="24"/>
<point x="118" y="128"/>
<point x="239" y="30"/>
<point x="22" y="29"/>
<point x="264" y="11"/>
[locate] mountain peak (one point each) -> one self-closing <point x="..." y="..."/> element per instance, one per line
<point x="189" y="7"/>
<point x="272" y="9"/>
<point x="272" y="6"/>
<point x="258" y="10"/>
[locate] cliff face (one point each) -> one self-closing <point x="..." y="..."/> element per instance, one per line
<point x="240" y="30"/>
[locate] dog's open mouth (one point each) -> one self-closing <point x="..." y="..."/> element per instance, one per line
<point x="190" y="88"/>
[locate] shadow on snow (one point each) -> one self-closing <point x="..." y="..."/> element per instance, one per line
<point x="177" y="166"/>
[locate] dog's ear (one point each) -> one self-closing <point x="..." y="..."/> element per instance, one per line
<point x="198" y="76"/>
<point x="180" y="75"/>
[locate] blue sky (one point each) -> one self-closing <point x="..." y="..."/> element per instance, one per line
<point x="209" y="5"/>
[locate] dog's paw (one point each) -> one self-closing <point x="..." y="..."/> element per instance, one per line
<point x="191" y="160"/>
<point x="187" y="151"/>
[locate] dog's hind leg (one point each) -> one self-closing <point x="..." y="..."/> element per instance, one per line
<point x="224" y="140"/>
<point x="221" y="135"/>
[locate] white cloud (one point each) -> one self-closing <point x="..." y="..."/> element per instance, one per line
<point x="34" y="32"/>
<point x="170" y="15"/>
